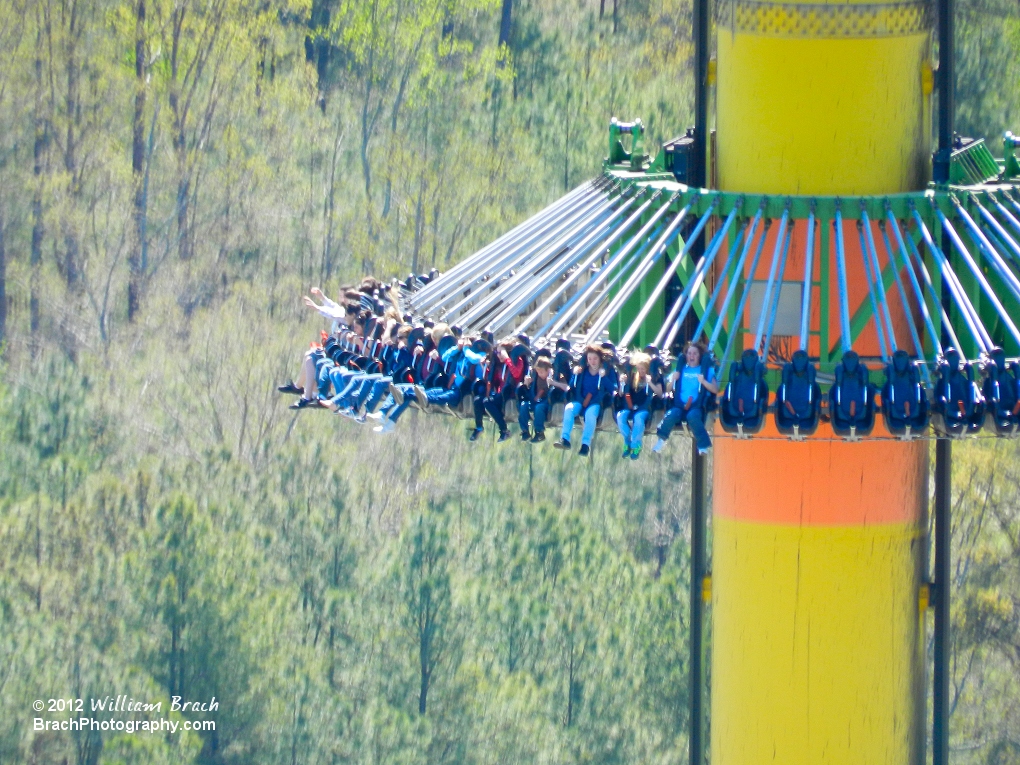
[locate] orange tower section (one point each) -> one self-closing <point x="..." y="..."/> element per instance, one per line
<point x="818" y="546"/>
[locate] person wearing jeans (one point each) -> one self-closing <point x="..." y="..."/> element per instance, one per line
<point x="538" y="386"/>
<point x="634" y="400"/>
<point x="688" y="385"/>
<point x="589" y="387"/>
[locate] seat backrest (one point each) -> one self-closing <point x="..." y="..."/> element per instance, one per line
<point x="851" y="385"/>
<point x="562" y="365"/>
<point x="799" y="383"/>
<point x="955" y="385"/>
<point x="706" y="399"/>
<point x="903" y="386"/>
<point x="1001" y="385"/>
<point x="744" y="390"/>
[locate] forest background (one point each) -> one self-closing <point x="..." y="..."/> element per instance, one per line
<point x="174" y="174"/>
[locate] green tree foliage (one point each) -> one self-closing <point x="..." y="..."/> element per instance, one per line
<point x="172" y="176"/>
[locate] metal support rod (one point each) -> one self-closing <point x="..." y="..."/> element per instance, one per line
<point x="582" y="314"/>
<point x="698" y="572"/>
<point x="871" y="255"/>
<point x="490" y="278"/>
<point x="886" y="353"/>
<point x="675" y="319"/>
<point x="956" y="291"/>
<point x="891" y="257"/>
<point x="943" y="536"/>
<point x="638" y="275"/>
<point x="845" y="340"/>
<point x="554" y="274"/>
<point x="947" y="325"/>
<point x="947" y="89"/>
<point x="667" y="274"/>
<point x="738" y="316"/>
<point x="918" y="294"/>
<point x="698" y="167"/>
<point x="735" y="277"/>
<point x="971" y="264"/>
<point x="774" y="310"/>
<point x="809" y="271"/>
<point x="738" y="239"/>
<point x="995" y="260"/>
<point x="778" y="253"/>
<point x="588" y="291"/>
<point x="1009" y="217"/>
<point x="456" y="274"/>
<point x="581" y="270"/>
<point x="565" y="238"/>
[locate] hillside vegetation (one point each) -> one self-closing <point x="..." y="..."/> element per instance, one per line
<point x="173" y="175"/>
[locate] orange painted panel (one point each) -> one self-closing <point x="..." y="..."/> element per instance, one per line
<point x="820" y="482"/>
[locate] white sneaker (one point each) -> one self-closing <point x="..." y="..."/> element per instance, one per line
<point x="375" y="415"/>
<point x="658" y="446"/>
<point x="388" y="426"/>
<point x="705" y="451"/>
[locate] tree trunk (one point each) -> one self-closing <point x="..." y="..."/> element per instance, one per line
<point x="73" y="109"/>
<point x="138" y="166"/>
<point x="38" y="147"/>
<point x="423" y="691"/>
<point x="3" y="286"/>
<point x="180" y="141"/>
<point x="504" y="23"/>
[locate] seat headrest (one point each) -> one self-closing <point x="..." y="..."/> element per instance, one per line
<point x="952" y="359"/>
<point x="481" y="345"/>
<point x="901" y="361"/>
<point x="446" y="343"/>
<point x="850" y="362"/>
<point x="800" y="361"/>
<point x="998" y="356"/>
<point x="416" y="336"/>
<point x="749" y="361"/>
<point x="518" y="352"/>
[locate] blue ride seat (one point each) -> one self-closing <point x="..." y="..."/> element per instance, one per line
<point x="904" y="401"/>
<point x="707" y="399"/>
<point x="746" y="396"/>
<point x="851" y="399"/>
<point x="1002" y="394"/>
<point x="799" y="398"/>
<point x="959" y="405"/>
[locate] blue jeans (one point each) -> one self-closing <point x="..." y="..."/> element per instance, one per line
<point x="324" y="370"/>
<point x="372" y="397"/>
<point x="441" y="396"/>
<point x="631" y="423"/>
<point x="390" y="407"/>
<point x="495" y="405"/>
<point x="591" y="419"/>
<point x="361" y="392"/>
<point x="695" y="419"/>
<point x="525" y="411"/>
<point x="352" y="392"/>
<point x="339" y="377"/>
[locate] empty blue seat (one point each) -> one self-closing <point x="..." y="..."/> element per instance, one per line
<point x="904" y="401"/>
<point x="851" y="399"/>
<point x="799" y="398"/>
<point x="1002" y="393"/>
<point x="746" y="396"/>
<point x="959" y="405"/>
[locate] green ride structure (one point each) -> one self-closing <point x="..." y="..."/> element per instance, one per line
<point x="860" y="294"/>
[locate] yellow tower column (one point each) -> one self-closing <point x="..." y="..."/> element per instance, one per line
<point x="817" y="546"/>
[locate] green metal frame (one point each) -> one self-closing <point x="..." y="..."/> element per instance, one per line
<point x="901" y="206"/>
